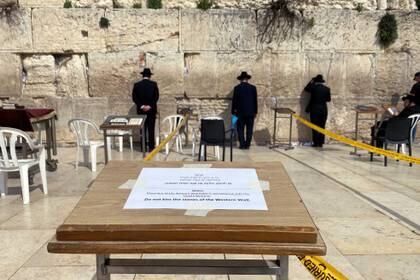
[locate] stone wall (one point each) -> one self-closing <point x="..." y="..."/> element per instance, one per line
<point x="62" y="58"/>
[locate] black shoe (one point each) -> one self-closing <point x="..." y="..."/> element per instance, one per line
<point x="242" y="147"/>
<point x="246" y="147"/>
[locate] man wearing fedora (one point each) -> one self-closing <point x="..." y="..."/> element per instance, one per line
<point x="146" y="95"/>
<point x="317" y="107"/>
<point x="245" y="107"/>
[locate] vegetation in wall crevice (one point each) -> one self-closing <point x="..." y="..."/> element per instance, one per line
<point x="387" y="30"/>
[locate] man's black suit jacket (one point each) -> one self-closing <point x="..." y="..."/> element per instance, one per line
<point x="146" y="92"/>
<point x="245" y="102"/>
<point x="320" y="95"/>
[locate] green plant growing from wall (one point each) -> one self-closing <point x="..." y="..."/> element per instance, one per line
<point x="67" y="4"/>
<point x="387" y="30"/>
<point x="116" y="5"/>
<point x="137" y="5"/>
<point x="154" y="4"/>
<point x="418" y="4"/>
<point x="359" y="7"/>
<point x="205" y="4"/>
<point x="104" y="22"/>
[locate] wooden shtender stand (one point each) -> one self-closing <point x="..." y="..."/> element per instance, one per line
<point x="99" y="225"/>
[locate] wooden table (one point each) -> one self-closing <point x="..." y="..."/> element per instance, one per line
<point x="365" y="110"/>
<point x="99" y="225"/>
<point x="282" y="113"/>
<point x="107" y="125"/>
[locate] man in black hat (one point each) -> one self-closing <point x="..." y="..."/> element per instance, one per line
<point x="415" y="90"/>
<point x="410" y="108"/>
<point x="146" y="95"/>
<point x="317" y="107"/>
<point x="245" y="107"/>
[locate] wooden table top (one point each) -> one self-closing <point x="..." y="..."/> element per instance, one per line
<point x="100" y="223"/>
<point x="284" y="110"/>
<point x="108" y="125"/>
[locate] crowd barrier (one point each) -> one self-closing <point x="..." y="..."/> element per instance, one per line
<point x="357" y="144"/>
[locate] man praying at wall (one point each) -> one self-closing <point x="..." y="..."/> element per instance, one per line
<point x="146" y="95"/>
<point x="245" y="107"/>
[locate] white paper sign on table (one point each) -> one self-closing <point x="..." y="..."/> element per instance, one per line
<point x="197" y="188"/>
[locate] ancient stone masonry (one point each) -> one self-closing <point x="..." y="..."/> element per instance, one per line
<point x="62" y="58"/>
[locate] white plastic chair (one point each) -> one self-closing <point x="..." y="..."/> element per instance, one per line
<point x="9" y="162"/>
<point x="81" y="128"/>
<point x="173" y="122"/>
<point x="121" y="134"/>
<point x="195" y="138"/>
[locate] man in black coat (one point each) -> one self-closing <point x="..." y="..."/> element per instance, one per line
<point x="146" y="95"/>
<point x="317" y="107"/>
<point x="245" y="107"/>
<point x="415" y="90"/>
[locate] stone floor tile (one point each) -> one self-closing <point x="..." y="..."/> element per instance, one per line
<point x="395" y="267"/>
<point x="44" y="259"/>
<point x="16" y="247"/>
<point x="369" y="236"/>
<point x="62" y="273"/>
<point x="47" y="213"/>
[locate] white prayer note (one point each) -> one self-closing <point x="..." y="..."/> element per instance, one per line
<point x="197" y="188"/>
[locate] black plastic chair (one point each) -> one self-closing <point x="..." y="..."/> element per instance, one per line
<point x="398" y="133"/>
<point x="213" y="133"/>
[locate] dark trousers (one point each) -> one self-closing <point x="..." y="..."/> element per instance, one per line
<point x="243" y="122"/>
<point x="318" y="119"/>
<point x="150" y="130"/>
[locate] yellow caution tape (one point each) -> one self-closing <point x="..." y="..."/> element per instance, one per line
<point x="357" y="144"/>
<point x="320" y="269"/>
<point x="167" y="139"/>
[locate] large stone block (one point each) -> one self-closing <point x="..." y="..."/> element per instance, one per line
<point x="168" y="69"/>
<point x="331" y="65"/>
<point x="15" y="29"/>
<point x="43" y="3"/>
<point x="67" y="30"/>
<point x="93" y="108"/>
<point x="408" y="39"/>
<point x="200" y="74"/>
<point x="10" y="75"/>
<point x="113" y="74"/>
<point x="104" y="4"/>
<point x="40" y="75"/>
<point x="276" y="33"/>
<point x="342" y="30"/>
<point x="218" y="30"/>
<point x="8" y="3"/>
<point x="154" y="30"/>
<point x="71" y="74"/>
<point x="230" y="65"/>
<point x="392" y="75"/>
<point x="211" y="74"/>
<point x="360" y="73"/>
<point x="288" y="74"/>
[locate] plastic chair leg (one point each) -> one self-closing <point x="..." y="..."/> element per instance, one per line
<point x="77" y="157"/>
<point x="93" y="158"/>
<point x="43" y="172"/>
<point x="217" y="152"/>
<point x="24" y="182"/>
<point x="131" y="142"/>
<point x="3" y="183"/>
<point x="120" y="144"/>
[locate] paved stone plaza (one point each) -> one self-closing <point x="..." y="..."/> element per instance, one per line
<point x="368" y="215"/>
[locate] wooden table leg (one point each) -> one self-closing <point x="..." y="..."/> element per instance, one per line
<point x="283" y="262"/>
<point x="101" y="270"/>
<point x="106" y="146"/>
